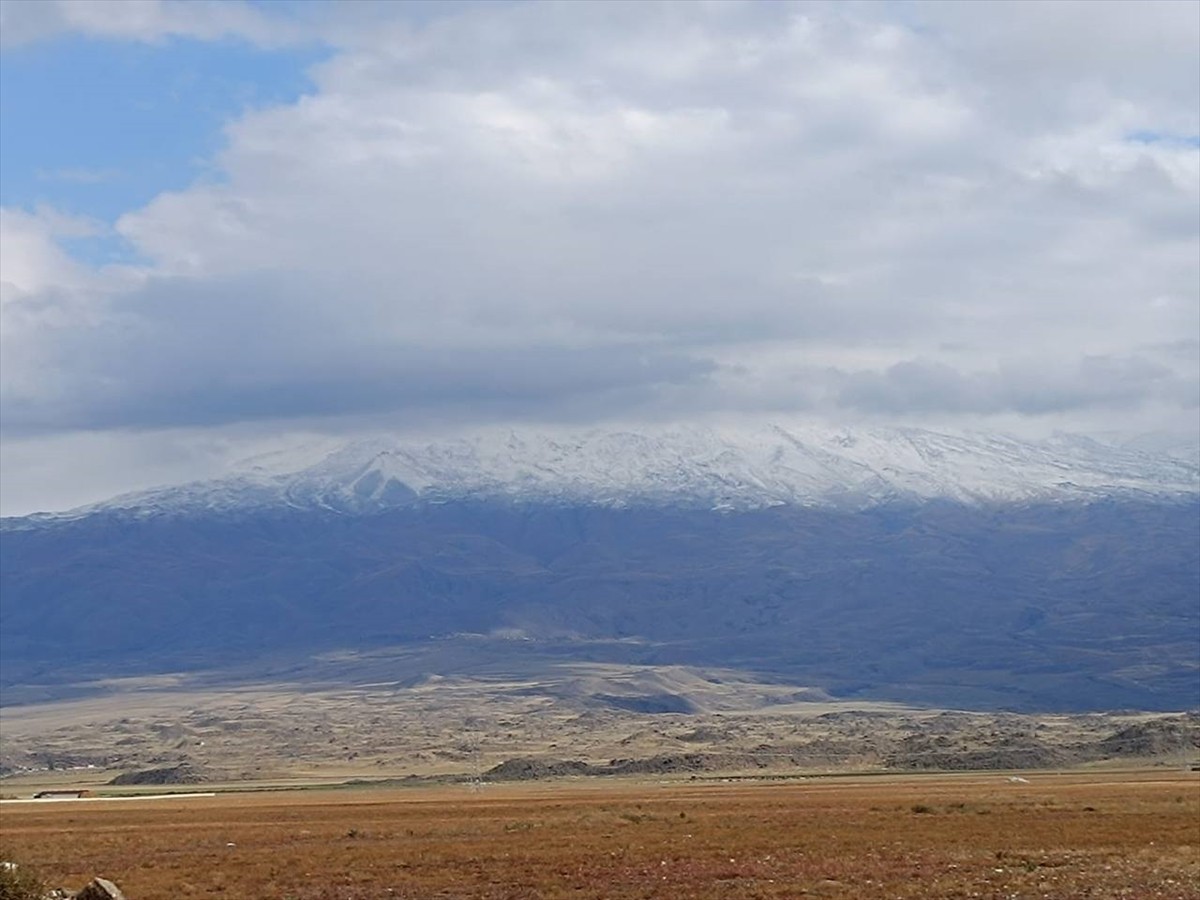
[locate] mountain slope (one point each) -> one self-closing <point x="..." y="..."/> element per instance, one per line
<point x="1041" y="606"/>
<point x="909" y="565"/>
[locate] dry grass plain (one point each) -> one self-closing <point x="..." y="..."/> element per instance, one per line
<point x="1097" y="835"/>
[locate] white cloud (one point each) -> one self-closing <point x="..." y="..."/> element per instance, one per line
<point x="588" y="210"/>
<point x="27" y="21"/>
<point x="32" y="260"/>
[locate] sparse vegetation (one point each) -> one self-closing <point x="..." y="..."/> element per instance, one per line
<point x="840" y="838"/>
<point x="558" y="730"/>
<point x="18" y="881"/>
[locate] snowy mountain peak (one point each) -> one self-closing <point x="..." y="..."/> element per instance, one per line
<point x="688" y="466"/>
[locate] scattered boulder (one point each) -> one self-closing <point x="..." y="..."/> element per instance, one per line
<point x="100" y="889"/>
<point x="18" y="883"/>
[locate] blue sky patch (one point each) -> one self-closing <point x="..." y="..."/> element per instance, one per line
<point x="99" y="128"/>
<point x="1163" y="137"/>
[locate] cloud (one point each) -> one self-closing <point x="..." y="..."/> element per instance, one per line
<point x="1039" y="390"/>
<point x="28" y="21"/>
<point x="593" y="210"/>
<point x="33" y="260"/>
<point x="1142" y="52"/>
<point x="239" y="351"/>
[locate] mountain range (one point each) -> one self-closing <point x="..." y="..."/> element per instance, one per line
<point x="682" y="467"/>
<point x="971" y="570"/>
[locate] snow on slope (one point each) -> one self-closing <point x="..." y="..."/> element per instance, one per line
<point x="692" y="466"/>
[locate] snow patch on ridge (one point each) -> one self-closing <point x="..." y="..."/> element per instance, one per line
<point x="722" y="468"/>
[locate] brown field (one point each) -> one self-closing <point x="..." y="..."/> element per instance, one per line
<point x="1131" y="835"/>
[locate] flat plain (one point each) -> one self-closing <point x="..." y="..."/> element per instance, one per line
<point x="590" y="780"/>
<point x="1111" y="834"/>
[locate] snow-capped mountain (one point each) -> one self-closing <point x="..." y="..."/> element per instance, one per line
<point x="603" y="545"/>
<point x="682" y="466"/>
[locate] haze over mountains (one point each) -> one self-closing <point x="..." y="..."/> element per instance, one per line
<point x="948" y="569"/>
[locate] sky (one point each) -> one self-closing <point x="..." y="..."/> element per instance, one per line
<point x="228" y="225"/>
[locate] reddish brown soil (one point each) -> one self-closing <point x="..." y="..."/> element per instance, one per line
<point x="1133" y="836"/>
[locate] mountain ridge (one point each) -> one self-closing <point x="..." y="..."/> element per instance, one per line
<point x="689" y="466"/>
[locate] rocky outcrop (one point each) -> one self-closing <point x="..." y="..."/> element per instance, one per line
<point x="100" y="889"/>
<point x="528" y="768"/>
<point x="20" y="883"/>
<point x="971" y="751"/>
<point x="1160" y="737"/>
<point x="183" y="773"/>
